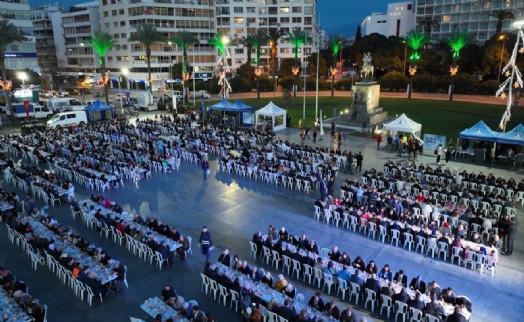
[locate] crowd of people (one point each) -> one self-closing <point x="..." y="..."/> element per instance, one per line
<point x="18" y="291"/>
<point x="438" y="302"/>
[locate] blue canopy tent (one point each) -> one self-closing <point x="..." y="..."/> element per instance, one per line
<point x="515" y="136"/>
<point x="98" y="111"/>
<point x="479" y="131"/>
<point x="239" y="107"/>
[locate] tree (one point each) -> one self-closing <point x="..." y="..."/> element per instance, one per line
<point x="312" y="65"/>
<point x="183" y="40"/>
<point x="415" y="40"/>
<point x="335" y="44"/>
<point x="247" y="42"/>
<point x="501" y="15"/>
<point x="274" y="36"/>
<point x="286" y="65"/>
<point x="147" y="34"/>
<point x="8" y="34"/>
<point x="256" y="40"/>
<point x="297" y="38"/>
<point x="456" y="41"/>
<point x="427" y="25"/>
<point x="358" y="35"/>
<point x="102" y="42"/>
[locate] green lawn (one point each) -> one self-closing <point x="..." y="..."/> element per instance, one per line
<point x="436" y="117"/>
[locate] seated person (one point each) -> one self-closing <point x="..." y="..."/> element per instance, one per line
<point x="400" y="278"/>
<point x="289" y="290"/>
<point x="281" y="283"/>
<point x="316" y="302"/>
<point x="418" y="284"/>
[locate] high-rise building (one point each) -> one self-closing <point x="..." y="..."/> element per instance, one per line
<point x="397" y="21"/>
<point x="122" y="18"/>
<point x="238" y="18"/>
<point x="71" y="31"/>
<point x="45" y="42"/>
<point x="20" y="55"/>
<point x="466" y="15"/>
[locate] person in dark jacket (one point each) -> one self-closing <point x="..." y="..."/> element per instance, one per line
<point x="205" y="243"/>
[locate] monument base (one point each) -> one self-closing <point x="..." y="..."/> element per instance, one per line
<point x="365" y="108"/>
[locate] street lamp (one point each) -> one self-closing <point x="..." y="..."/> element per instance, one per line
<point x="503" y="39"/>
<point x="124" y="72"/>
<point x="23" y="77"/>
<point x="453" y="70"/>
<point x="412" y="71"/>
<point x="405" y="56"/>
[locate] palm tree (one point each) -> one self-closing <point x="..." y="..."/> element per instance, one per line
<point x="501" y="15"/>
<point x="147" y="34"/>
<point x="427" y="25"/>
<point x="102" y="42"/>
<point x="456" y="41"/>
<point x="274" y="35"/>
<point x="335" y="44"/>
<point x="247" y="42"/>
<point x="415" y="39"/>
<point x="297" y="38"/>
<point x="8" y="34"/>
<point x="183" y="40"/>
<point x="255" y="41"/>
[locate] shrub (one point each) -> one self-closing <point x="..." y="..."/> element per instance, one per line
<point x="488" y="87"/>
<point x="265" y="84"/>
<point x="394" y="81"/>
<point x="343" y="84"/>
<point x="425" y="83"/>
<point x="466" y="84"/>
<point x="240" y="84"/>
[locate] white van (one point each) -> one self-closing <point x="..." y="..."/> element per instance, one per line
<point x="67" y="119"/>
<point x="64" y="104"/>
<point x="200" y="94"/>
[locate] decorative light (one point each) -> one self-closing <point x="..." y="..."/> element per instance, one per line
<point x="507" y="73"/>
<point x="333" y="71"/>
<point x="516" y="85"/>
<point x="258" y="71"/>
<point x="503" y="96"/>
<point x="521" y="50"/>
<point x="295" y="70"/>
<point x="185" y="76"/>
<point x="412" y="70"/>
<point x="7" y="85"/>
<point x="453" y="70"/>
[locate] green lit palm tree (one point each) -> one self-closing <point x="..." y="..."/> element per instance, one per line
<point x="335" y="45"/>
<point x="501" y="15"/>
<point x="184" y="40"/>
<point x="147" y="34"/>
<point x="102" y="42"/>
<point x="297" y="38"/>
<point x="456" y="41"/>
<point x="415" y="39"/>
<point x="220" y="42"/>
<point x="256" y="40"/>
<point x="8" y="34"/>
<point x="274" y="36"/>
<point x="248" y="43"/>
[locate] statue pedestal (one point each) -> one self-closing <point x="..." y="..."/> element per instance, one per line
<point x="365" y="107"/>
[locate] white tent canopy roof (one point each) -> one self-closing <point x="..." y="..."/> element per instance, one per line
<point x="271" y="110"/>
<point x="403" y="124"/>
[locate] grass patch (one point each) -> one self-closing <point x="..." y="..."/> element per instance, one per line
<point x="436" y="116"/>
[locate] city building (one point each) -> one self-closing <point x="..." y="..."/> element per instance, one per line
<point x="239" y="18"/>
<point x="471" y="15"/>
<point x="71" y="30"/>
<point x="122" y="18"/>
<point x="45" y="43"/>
<point x="397" y="21"/>
<point x="20" y="55"/>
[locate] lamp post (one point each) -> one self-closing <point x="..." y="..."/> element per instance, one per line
<point x="258" y="72"/>
<point x="124" y="72"/>
<point x="223" y="65"/>
<point x="405" y="56"/>
<point x="23" y="77"/>
<point x="412" y="71"/>
<point x="453" y="70"/>
<point x="503" y="39"/>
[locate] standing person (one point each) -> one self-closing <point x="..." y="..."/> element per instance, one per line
<point x="512" y="233"/>
<point x="205" y="167"/>
<point x="332" y="128"/>
<point x="205" y="242"/>
<point x="416" y="148"/>
<point x="331" y="186"/>
<point x="449" y="151"/>
<point x="350" y="162"/>
<point x="323" y="189"/>
<point x="302" y="136"/>
<point x="314" y="135"/>
<point x="439" y="152"/>
<point x="307" y="133"/>
<point x="359" y="158"/>
<point x="379" y="140"/>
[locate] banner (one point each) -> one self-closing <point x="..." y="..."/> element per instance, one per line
<point x="248" y="118"/>
<point x="431" y="142"/>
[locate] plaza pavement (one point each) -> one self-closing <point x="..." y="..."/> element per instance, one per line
<point x="234" y="208"/>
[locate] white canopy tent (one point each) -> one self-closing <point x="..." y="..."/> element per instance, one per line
<point x="277" y="115"/>
<point x="404" y="124"/>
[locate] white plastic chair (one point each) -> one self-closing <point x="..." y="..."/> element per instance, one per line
<point x="371" y="297"/>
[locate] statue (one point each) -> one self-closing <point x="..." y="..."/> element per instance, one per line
<point x="367" y="68"/>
